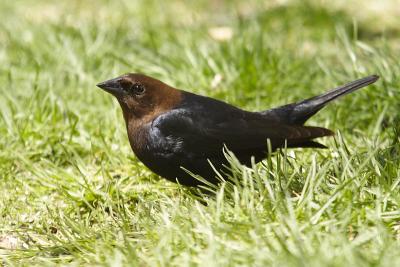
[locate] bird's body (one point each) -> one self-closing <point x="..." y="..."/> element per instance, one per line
<point x="171" y="130"/>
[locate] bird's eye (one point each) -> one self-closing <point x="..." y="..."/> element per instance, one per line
<point x="138" y="89"/>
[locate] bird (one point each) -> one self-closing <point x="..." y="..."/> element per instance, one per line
<point x="180" y="135"/>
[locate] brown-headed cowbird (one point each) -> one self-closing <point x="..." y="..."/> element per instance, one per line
<point x="171" y="129"/>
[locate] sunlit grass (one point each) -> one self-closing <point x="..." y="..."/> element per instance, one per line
<point x="72" y="192"/>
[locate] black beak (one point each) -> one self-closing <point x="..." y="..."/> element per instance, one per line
<point x="112" y="86"/>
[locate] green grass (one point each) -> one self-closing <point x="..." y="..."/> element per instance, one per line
<point x="72" y="192"/>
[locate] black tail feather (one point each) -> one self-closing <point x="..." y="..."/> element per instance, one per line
<point x="298" y="113"/>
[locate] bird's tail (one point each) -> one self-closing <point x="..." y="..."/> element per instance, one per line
<point x="298" y="113"/>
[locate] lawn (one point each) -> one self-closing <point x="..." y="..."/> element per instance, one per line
<point x="73" y="193"/>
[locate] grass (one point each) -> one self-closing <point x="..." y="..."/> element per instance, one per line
<point x="73" y="193"/>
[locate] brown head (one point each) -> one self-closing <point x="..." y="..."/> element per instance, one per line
<point x="142" y="98"/>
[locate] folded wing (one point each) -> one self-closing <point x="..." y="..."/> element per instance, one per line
<point x="246" y="134"/>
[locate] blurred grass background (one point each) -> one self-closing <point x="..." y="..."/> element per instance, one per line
<point x="72" y="192"/>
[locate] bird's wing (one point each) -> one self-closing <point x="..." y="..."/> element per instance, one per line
<point x="206" y="134"/>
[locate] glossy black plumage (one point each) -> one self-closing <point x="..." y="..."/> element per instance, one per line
<point x="169" y="129"/>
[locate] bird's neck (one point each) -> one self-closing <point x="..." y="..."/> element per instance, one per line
<point x="137" y="135"/>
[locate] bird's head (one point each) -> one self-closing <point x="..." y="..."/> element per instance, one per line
<point x="140" y="96"/>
